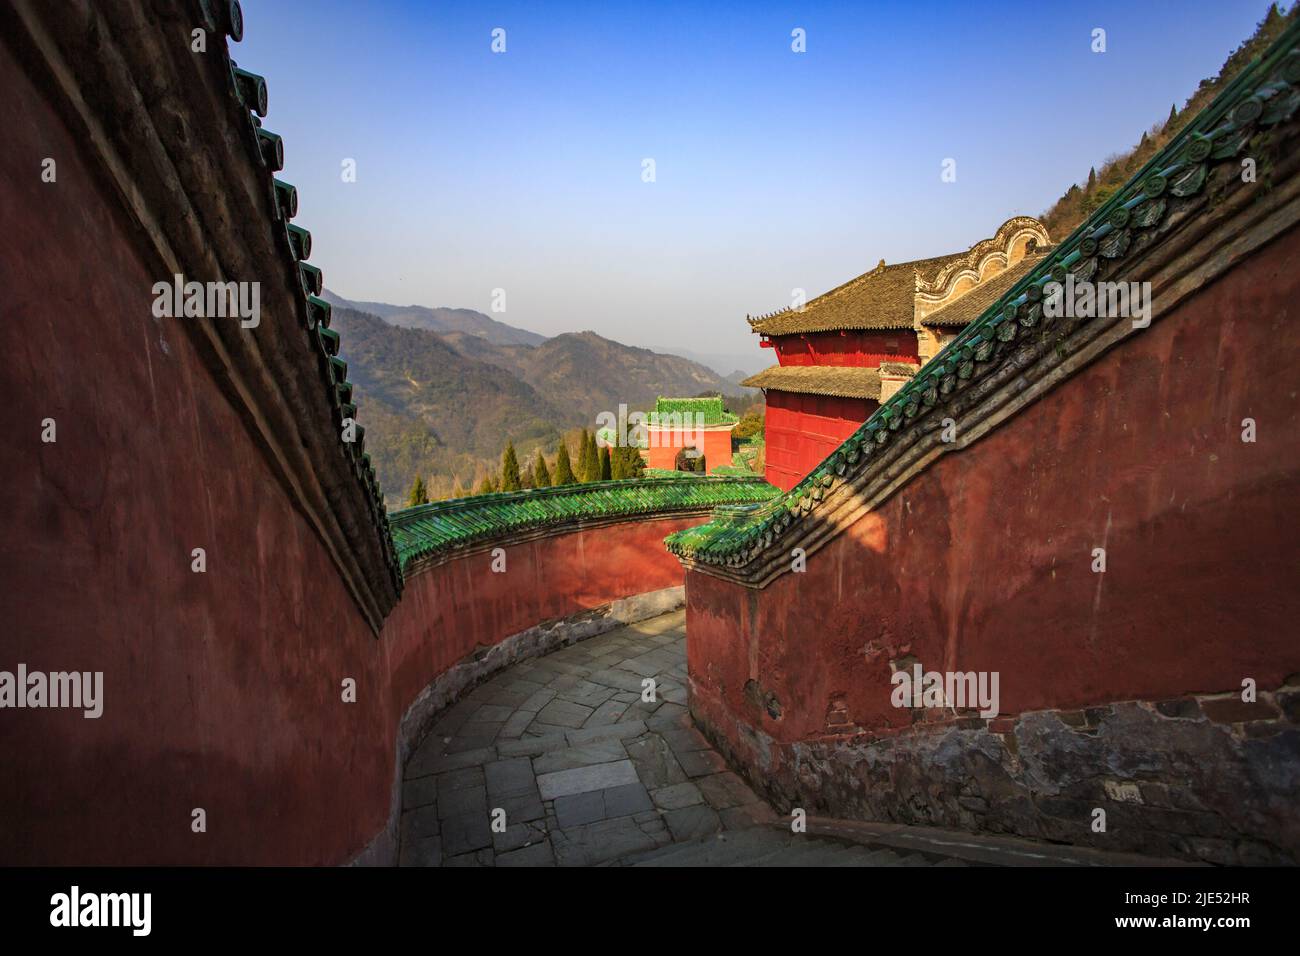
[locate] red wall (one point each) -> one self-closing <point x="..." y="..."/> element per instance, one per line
<point x="801" y="430"/>
<point x="717" y="449"/>
<point x="983" y="561"/>
<point x="221" y="689"/>
<point x="847" y="348"/>
<point x="449" y="611"/>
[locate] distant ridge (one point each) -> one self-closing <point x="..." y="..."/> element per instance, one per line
<point x="443" y="404"/>
<point x="441" y="320"/>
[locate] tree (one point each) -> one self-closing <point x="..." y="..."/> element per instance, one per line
<point x="563" y="468"/>
<point x="1092" y="179"/>
<point x="510" y="469"/>
<point x="592" y="472"/>
<point x="418" y="496"/>
<point x="750" y="425"/>
<point x="526" y="477"/>
<point x="1173" y="113"/>
<point x="606" y="466"/>
<point x="626" y="462"/>
<point x="487" y="486"/>
<point x="584" y="457"/>
<point x="541" y="474"/>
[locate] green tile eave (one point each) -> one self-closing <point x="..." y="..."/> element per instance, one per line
<point x="445" y="526"/>
<point x="250" y="91"/>
<point x="1269" y="82"/>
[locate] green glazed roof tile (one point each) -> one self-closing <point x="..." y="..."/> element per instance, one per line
<point x="427" y="530"/>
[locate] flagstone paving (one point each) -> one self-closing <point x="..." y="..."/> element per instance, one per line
<point x="587" y="773"/>
<point x="585" y="770"/>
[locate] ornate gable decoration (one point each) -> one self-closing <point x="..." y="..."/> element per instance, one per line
<point x="1014" y="239"/>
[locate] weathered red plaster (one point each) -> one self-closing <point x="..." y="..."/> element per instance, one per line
<point x="983" y="561"/>
<point x="222" y="690"/>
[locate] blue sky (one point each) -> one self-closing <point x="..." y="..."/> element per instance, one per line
<point x="774" y="170"/>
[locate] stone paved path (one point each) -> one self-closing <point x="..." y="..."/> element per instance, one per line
<point x="585" y="771"/>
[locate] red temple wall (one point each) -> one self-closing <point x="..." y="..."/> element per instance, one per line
<point x="662" y="452"/>
<point x="983" y="561"/>
<point x="847" y="348"/>
<point x="801" y="430"/>
<point x="221" y="690"/>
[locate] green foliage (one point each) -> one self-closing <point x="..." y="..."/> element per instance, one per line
<point x="606" y="466"/>
<point x="541" y="474"/>
<point x="1077" y="204"/>
<point x="418" y="495"/>
<point x="487" y="486"/>
<point x="619" y="464"/>
<point x="584" y="457"/>
<point x="510" y="469"/>
<point x="563" y="467"/>
<point x="750" y="425"/>
<point x="592" y="455"/>
<point x="634" y="465"/>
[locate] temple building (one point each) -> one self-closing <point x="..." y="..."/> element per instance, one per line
<point x="681" y="430"/>
<point x="848" y="350"/>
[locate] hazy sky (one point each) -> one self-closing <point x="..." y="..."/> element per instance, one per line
<point x="774" y="170"/>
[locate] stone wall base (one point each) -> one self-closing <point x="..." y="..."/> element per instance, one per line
<point x="451" y="685"/>
<point x="1206" y="778"/>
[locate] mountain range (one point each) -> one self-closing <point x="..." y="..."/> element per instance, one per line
<point x="442" y="390"/>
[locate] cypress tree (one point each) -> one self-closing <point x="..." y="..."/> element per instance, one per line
<point x="526" y="476"/>
<point x="1173" y="113"/>
<point x="510" y="469"/>
<point x="541" y="474"/>
<point x="1092" y="179"/>
<point x="593" y="460"/>
<point x="418" y="495"/>
<point x="563" y="469"/>
<point x="634" y="464"/>
<point x="584" y="457"/>
<point x="626" y="463"/>
<point x="487" y="485"/>
<point x="606" y="465"/>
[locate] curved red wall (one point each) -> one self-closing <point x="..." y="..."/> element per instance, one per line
<point x="222" y="690"/>
<point x="983" y="561"/>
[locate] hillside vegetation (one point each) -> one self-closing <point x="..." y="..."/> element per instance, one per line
<point x="443" y="406"/>
<point x="1081" y="199"/>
